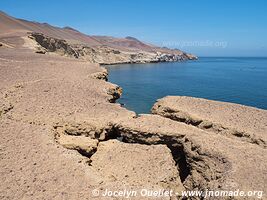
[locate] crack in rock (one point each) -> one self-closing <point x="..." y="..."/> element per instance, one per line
<point x="89" y="139"/>
<point x="196" y="170"/>
<point x="83" y="137"/>
<point x="184" y="117"/>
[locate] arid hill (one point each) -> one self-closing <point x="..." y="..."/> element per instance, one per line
<point x="98" y="49"/>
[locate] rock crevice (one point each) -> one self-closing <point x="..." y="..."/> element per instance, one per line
<point x="206" y="124"/>
<point x="196" y="169"/>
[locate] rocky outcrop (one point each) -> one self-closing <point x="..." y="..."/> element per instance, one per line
<point x="115" y="93"/>
<point x="50" y="44"/>
<point x="204" y="160"/>
<point x="103" y="75"/>
<point x="162" y="57"/>
<point x="104" y="54"/>
<point x="232" y="120"/>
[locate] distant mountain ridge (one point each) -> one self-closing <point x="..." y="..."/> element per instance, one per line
<point x="141" y="52"/>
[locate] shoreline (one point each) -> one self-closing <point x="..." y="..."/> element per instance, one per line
<point x="64" y="136"/>
<point x="103" y="54"/>
<point x="72" y="116"/>
<point x="184" y="82"/>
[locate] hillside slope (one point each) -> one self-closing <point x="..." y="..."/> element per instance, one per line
<point x="96" y="49"/>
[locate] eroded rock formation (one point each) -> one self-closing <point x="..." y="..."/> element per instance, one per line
<point x="104" y="54"/>
<point x="63" y="135"/>
<point x="233" y="120"/>
<point x="150" y="166"/>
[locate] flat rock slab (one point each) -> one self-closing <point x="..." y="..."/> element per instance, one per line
<point x="141" y="166"/>
<point x="243" y="122"/>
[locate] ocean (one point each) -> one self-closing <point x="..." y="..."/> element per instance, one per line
<point x="230" y="79"/>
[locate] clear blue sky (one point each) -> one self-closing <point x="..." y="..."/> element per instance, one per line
<point x="203" y="27"/>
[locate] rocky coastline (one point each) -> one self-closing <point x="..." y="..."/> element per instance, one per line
<point x="63" y="136"/>
<point x="105" y="55"/>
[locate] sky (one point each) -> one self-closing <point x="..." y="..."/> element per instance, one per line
<point x="202" y="27"/>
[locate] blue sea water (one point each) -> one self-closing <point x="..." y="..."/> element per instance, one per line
<point x="228" y="79"/>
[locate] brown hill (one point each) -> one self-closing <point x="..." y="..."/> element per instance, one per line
<point x="11" y="25"/>
<point x="97" y="49"/>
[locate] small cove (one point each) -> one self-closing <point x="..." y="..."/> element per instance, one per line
<point x="229" y="79"/>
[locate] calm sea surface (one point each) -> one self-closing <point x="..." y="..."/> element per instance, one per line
<point x="237" y="80"/>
